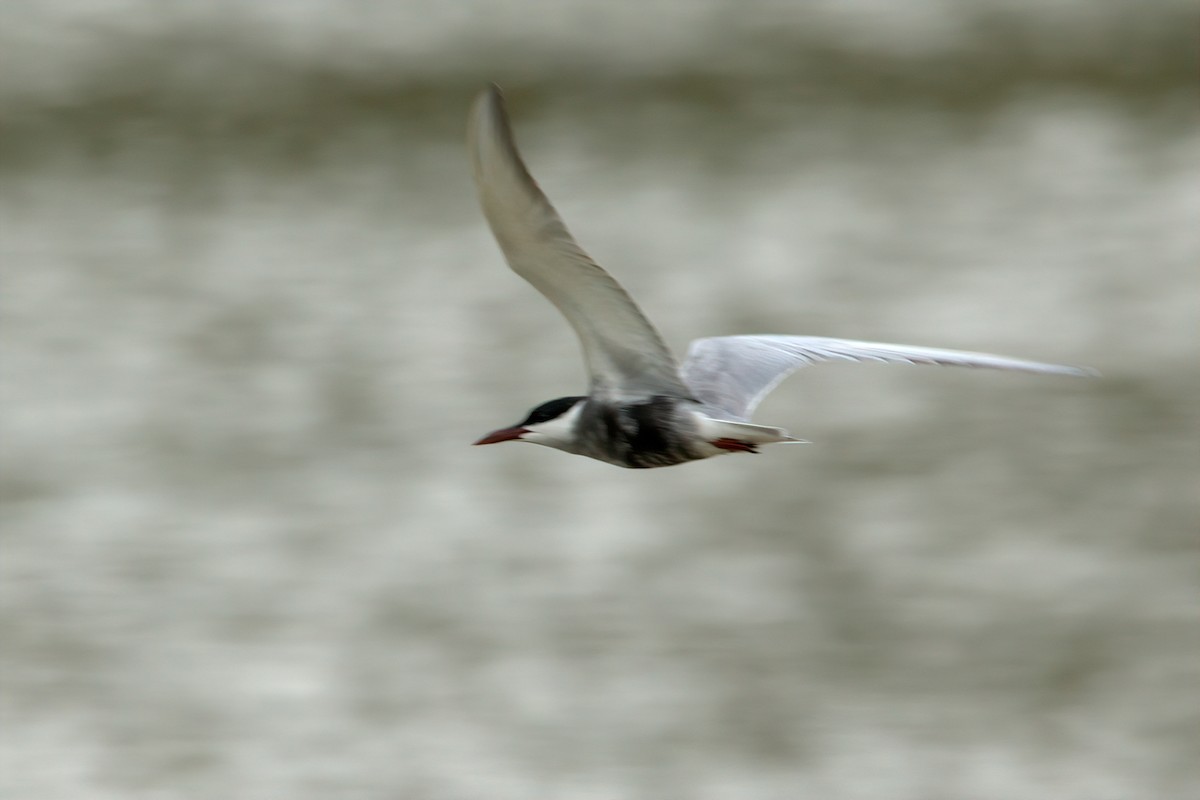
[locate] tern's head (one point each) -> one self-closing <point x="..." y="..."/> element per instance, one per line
<point x="551" y="424"/>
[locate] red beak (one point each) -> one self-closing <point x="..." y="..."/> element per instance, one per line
<point x="503" y="435"/>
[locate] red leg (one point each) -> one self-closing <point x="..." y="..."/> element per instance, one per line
<point x="735" y="445"/>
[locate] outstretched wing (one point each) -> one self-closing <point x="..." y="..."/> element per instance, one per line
<point x="623" y="351"/>
<point x="734" y="373"/>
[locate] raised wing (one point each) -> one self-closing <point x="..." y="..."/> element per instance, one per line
<point x="734" y="373"/>
<point x="623" y="351"/>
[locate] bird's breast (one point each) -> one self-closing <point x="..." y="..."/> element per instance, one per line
<point x="640" y="435"/>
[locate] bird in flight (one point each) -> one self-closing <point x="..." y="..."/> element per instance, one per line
<point x="643" y="409"/>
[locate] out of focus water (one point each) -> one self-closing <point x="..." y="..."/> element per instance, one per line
<point x="252" y="319"/>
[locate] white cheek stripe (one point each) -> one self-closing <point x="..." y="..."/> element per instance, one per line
<point x="555" y="432"/>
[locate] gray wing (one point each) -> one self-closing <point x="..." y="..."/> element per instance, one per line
<point x="734" y="373"/>
<point x="623" y="351"/>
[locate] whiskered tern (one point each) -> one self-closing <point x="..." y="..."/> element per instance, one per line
<point x="642" y="408"/>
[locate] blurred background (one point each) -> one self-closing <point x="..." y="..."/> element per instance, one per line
<point x="252" y="319"/>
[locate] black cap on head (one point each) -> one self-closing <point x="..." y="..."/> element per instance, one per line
<point x="550" y="410"/>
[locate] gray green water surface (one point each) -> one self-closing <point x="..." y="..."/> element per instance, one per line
<point x="251" y="318"/>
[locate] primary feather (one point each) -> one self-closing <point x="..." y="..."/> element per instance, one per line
<point x="623" y="351"/>
<point x="735" y="373"/>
